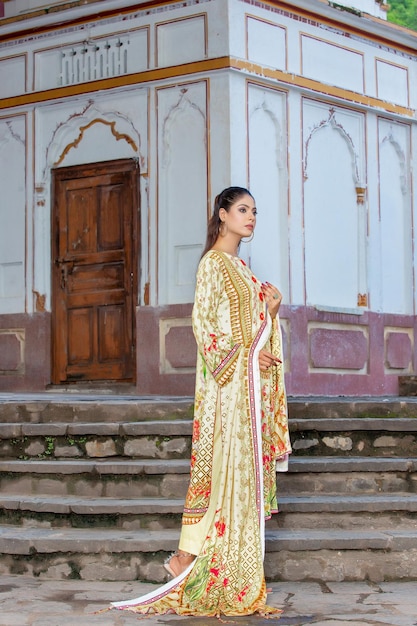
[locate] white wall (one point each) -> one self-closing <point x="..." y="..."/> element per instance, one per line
<point x="334" y="158"/>
<point x="316" y="123"/>
<point x="182" y="187"/>
<point x="268" y="181"/>
<point x="395" y="217"/>
<point x="12" y="213"/>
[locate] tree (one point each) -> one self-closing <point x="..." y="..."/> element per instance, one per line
<point x="403" y="12"/>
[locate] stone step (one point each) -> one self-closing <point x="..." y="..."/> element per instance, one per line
<point x="145" y="439"/>
<point x="352" y="521"/>
<point x="339" y="555"/>
<point x="342" y="423"/>
<point x="74" y="407"/>
<point x="388" y="436"/>
<point x="162" y="438"/>
<point x="353" y="475"/>
<point x="93" y="487"/>
<point x="167" y="478"/>
<point x="348" y="503"/>
<point x="90" y="478"/>
<point x="352" y="407"/>
<point x="351" y="464"/>
<point x="158" y="513"/>
<point x="91" y="554"/>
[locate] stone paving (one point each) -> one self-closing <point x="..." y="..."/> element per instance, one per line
<point x="30" y="602"/>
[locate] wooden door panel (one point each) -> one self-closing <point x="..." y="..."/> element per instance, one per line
<point x="87" y="279"/>
<point x="95" y="269"/>
<point x="80" y="218"/>
<point x="110" y="232"/>
<point x="111" y="328"/>
<point x="80" y="335"/>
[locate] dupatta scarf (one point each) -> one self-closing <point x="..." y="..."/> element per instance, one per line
<point x="240" y="430"/>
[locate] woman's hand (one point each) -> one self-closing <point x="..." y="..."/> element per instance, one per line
<point x="267" y="360"/>
<point x="272" y="297"/>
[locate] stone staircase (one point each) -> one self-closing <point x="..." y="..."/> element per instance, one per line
<point x="92" y="487"/>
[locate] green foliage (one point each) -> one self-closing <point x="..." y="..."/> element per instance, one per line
<point x="403" y="12"/>
<point x="49" y="445"/>
<point x="73" y="441"/>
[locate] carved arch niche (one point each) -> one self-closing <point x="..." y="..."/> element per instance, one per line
<point x="334" y="207"/>
<point x="395" y="207"/>
<point x="87" y="137"/>
<point x="183" y="149"/>
<point x="91" y="137"/>
<point x="12" y="214"/>
<point x="268" y="181"/>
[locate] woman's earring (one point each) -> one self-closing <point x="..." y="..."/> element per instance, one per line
<point x="250" y="238"/>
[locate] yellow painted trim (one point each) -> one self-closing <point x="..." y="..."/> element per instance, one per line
<point x="126" y="80"/>
<point x="208" y="65"/>
<point x="82" y="129"/>
<point x="320" y="88"/>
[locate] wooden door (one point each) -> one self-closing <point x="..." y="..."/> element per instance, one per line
<point x="94" y="291"/>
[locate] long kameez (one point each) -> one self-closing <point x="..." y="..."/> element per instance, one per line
<point x="240" y="432"/>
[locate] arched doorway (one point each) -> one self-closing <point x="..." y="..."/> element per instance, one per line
<point x="94" y="271"/>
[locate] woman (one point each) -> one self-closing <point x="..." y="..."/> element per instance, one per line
<point x="240" y="431"/>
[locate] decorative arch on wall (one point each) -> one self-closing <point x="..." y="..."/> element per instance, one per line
<point x="82" y="131"/>
<point x="389" y="138"/>
<point x="268" y="181"/>
<point x="396" y="219"/>
<point x="9" y="134"/>
<point x="280" y="153"/>
<point x="335" y="243"/>
<point x="67" y="137"/>
<point x="334" y="124"/>
<point x="13" y="215"/>
<point x="183" y="163"/>
<point x="177" y="111"/>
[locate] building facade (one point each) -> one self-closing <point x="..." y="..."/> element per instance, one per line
<point x="121" y="121"/>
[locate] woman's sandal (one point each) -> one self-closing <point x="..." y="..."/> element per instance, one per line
<point x="168" y="561"/>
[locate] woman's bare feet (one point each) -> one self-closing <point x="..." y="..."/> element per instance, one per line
<point x="178" y="562"/>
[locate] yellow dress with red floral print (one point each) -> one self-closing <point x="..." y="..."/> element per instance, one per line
<point x="240" y="431"/>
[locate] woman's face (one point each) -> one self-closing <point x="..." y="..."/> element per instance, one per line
<point x="240" y="219"/>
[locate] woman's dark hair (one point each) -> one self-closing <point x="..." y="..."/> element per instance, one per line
<point x="224" y="200"/>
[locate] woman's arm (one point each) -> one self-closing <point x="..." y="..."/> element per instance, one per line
<point x="215" y="342"/>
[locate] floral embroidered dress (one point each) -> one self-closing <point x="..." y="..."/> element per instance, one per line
<point x="240" y="432"/>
